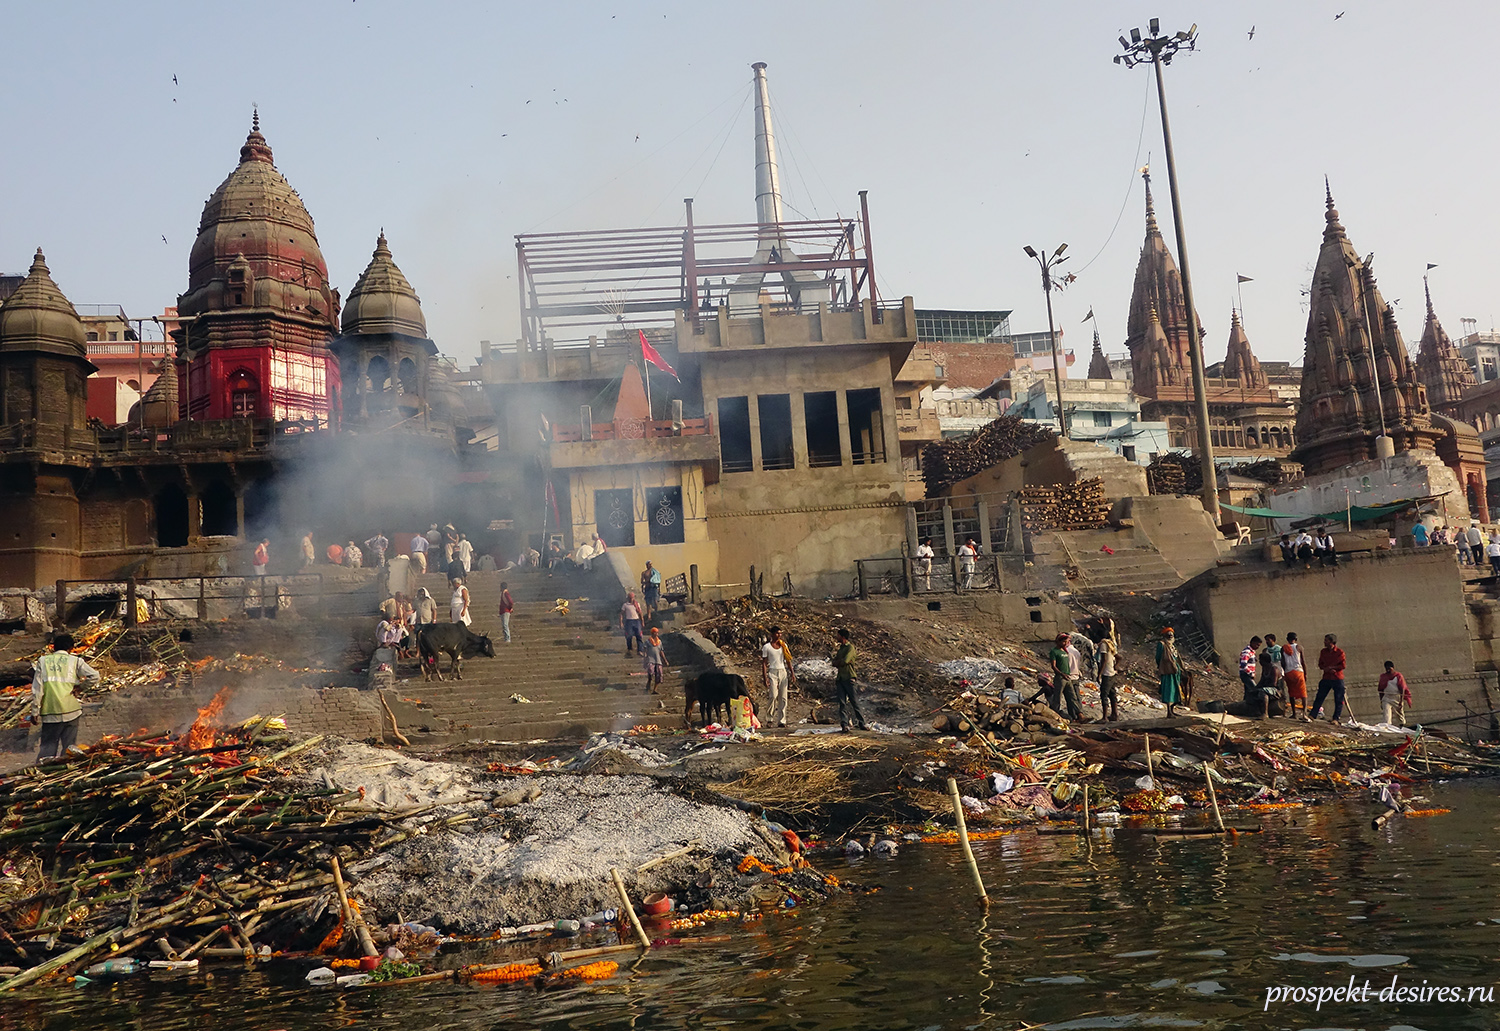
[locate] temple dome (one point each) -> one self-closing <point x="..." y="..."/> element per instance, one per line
<point x="257" y="216"/>
<point x="37" y="317"/>
<point x="383" y="301"/>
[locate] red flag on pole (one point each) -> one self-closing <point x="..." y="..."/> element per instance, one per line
<point x="649" y="353"/>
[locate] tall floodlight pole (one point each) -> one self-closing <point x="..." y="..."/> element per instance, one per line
<point x="1047" y="264"/>
<point x="1159" y="50"/>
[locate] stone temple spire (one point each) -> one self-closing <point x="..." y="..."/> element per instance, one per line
<point x="1440" y="368"/>
<point x="1240" y="362"/>
<point x="1158" y="289"/>
<point x="1098" y="364"/>
<point x="1357" y="378"/>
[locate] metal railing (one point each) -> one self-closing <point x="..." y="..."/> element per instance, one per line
<point x="909" y="577"/>
<point x="267" y="590"/>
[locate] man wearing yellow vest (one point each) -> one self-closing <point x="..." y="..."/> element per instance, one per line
<point x="52" y="701"/>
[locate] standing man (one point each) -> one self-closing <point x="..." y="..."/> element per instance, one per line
<point x="630" y="622"/>
<point x="1476" y="542"/>
<point x="309" y="553"/>
<point x="1493" y="549"/>
<point x="654" y="659"/>
<point x="1419" y="534"/>
<point x="776" y="668"/>
<point x="419" y="546"/>
<point x="53" y="703"/>
<point x="1331" y="661"/>
<point x="450" y="542"/>
<point x="507" y="606"/>
<point x="1075" y="660"/>
<point x="424" y="608"/>
<point x="1169" y="669"/>
<point x="1109" y="700"/>
<point x="1395" y="696"/>
<point x="967" y="552"/>
<point x="262" y="556"/>
<point x="651" y="589"/>
<point x="464" y="552"/>
<point x="1270" y="675"/>
<point x="1062" y="671"/>
<point x="377" y="546"/>
<point x="1293" y="674"/>
<point x="925" y="556"/>
<point x="1248" y="669"/>
<point x="843" y="666"/>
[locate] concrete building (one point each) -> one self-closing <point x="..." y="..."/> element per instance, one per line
<point x="917" y="422"/>
<point x="1101" y="411"/>
<point x="973" y="347"/>
<point x="1482" y="352"/>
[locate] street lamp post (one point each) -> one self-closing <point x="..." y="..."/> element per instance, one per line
<point x="1159" y="50"/>
<point x="1047" y="264"/>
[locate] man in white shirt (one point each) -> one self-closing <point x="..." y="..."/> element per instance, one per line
<point x="1304" y="548"/>
<point x="419" y="552"/>
<point x="1109" y="698"/>
<point x="924" y="563"/>
<point x="966" y="555"/>
<point x="1476" y="542"/>
<point x="776" y="666"/>
<point x="464" y="550"/>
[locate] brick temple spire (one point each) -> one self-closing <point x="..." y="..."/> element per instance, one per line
<point x="1440" y="368"/>
<point x="1240" y="362"/>
<point x="1157" y="295"/>
<point x="1354" y="364"/>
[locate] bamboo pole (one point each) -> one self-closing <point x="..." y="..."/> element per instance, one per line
<point x="58" y="962"/>
<point x="1223" y="721"/>
<point x="355" y="918"/>
<point x="635" y="922"/>
<point x="963" y="841"/>
<point x="1213" y="796"/>
<point x="1149" y="772"/>
<point x="1085" y="809"/>
<point x="557" y="959"/>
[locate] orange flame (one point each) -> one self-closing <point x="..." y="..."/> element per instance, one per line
<point x="202" y="734"/>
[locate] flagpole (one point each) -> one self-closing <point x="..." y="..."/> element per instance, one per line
<point x="646" y="371"/>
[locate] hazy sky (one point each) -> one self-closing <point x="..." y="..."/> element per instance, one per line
<point x="976" y="127"/>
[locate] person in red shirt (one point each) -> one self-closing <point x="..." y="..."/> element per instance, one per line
<point x="262" y="556"/>
<point x="1331" y="661"/>
<point x="507" y="606"/>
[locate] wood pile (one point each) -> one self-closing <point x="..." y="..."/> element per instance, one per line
<point x="997" y="721"/>
<point x="1175" y="472"/>
<point x="945" y="462"/>
<point x="1065" y="506"/>
<point x="177" y="844"/>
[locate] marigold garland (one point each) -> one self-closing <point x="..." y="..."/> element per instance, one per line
<point x="509" y="972"/>
<point x="590" y="971"/>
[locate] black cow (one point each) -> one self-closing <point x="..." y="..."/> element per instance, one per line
<point x="712" y="691"/>
<point x="454" y="640"/>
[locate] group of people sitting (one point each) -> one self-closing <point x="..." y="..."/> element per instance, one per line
<point x="400" y="616"/>
<point x="1305" y="548"/>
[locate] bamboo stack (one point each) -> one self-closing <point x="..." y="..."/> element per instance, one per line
<point x="143" y="839"/>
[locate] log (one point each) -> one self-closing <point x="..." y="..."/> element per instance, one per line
<point x="635" y="921"/>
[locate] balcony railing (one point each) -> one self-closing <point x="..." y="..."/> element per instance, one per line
<point x="634" y="429"/>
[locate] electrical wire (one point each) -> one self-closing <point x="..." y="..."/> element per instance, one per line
<point x="1130" y="189"/>
<point x="728" y="131"/>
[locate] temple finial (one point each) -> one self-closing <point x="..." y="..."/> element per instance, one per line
<point x="1428" y="291"/>
<point x="1150" y="205"/>
<point x="254" y="118"/>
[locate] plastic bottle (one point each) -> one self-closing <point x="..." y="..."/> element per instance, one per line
<point x="604" y="916"/>
<point x="123" y="965"/>
<point x="568" y="926"/>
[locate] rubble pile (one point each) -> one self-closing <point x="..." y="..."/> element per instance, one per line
<point x="945" y="462"/>
<point x="1064" y="506"/>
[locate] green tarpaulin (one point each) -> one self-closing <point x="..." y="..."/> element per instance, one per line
<point x="1357" y="514"/>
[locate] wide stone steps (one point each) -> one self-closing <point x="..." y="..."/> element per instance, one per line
<point x="572" y="669"/>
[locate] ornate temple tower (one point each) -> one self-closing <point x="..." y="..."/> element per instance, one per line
<point x="1098" y="364"/>
<point x="1240" y="363"/>
<point x="1157" y="296"/>
<point x="43" y="359"/>
<point x="258" y="312"/>
<point x="1439" y="367"/>
<point x="1355" y="367"/>
<point x="384" y="354"/>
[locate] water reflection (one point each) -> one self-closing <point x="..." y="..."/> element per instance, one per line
<point x="1124" y="931"/>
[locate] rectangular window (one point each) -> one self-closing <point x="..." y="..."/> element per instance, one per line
<point x="114" y="335"/>
<point x="1128" y="451"/>
<point x="664" y="515"/>
<point x="775" y="431"/>
<point x="614" y="517"/>
<point x="734" y="434"/>
<point x="903" y="402"/>
<point x="866" y="426"/>
<point x="821" y="408"/>
<point x="1102" y="419"/>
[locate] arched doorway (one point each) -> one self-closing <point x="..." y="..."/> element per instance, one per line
<point x="219" y="515"/>
<point x="170" y="507"/>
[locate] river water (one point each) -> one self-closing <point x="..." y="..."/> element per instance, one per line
<point x="1134" y="932"/>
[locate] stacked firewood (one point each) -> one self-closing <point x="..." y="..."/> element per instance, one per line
<point x="1064" y="506"/>
<point x="996" y="721"/>
<point x="945" y="462"/>
<point x="1175" y="472"/>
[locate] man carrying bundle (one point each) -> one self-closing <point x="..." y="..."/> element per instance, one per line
<point x="53" y="703"/>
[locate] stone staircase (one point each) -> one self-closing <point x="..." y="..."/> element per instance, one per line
<point x="573" y="668"/>
<point x="1131" y="567"/>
